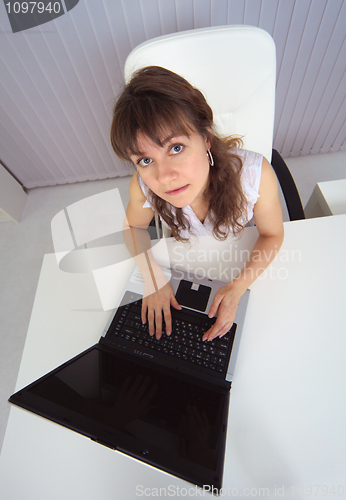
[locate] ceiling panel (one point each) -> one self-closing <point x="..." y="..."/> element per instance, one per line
<point x="60" y="79"/>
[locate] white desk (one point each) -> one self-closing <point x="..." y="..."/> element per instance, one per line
<point x="287" y="422"/>
<point x="328" y="198"/>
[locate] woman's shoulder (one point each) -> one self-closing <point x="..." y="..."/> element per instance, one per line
<point x="249" y="158"/>
<point x="250" y="173"/>
<point x="138" y="180"/>
<point x="135" y="215"/>
<point x="251" y="166"/>
<point x="143" y="189"/>
<point x="136" y="192"/>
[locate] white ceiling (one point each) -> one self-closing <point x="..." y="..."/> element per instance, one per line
<point x="59" y="80"/>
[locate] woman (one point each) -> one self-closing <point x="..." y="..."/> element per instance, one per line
<point x="196" y="181"/>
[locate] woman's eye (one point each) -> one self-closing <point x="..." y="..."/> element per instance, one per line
<point x="144" y="162"/>
<point x="177" y="148"/>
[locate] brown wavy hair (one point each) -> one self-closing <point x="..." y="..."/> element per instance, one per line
<point x="157" y="100"/>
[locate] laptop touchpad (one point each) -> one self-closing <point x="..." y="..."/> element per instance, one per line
<point x="193" y="295"/>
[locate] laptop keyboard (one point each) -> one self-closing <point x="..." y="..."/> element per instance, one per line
<point x="185" y="341"/>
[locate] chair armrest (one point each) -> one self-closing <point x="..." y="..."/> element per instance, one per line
<point x="288" y="186"/>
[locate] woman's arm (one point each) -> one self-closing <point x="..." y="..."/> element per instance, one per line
<point x="158" y="294"/>
<point x="268" y="219"/>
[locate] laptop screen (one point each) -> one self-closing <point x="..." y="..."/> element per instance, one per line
<point x="159" y="417"/>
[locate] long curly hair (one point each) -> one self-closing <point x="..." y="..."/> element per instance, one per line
<point x="157" y="100"/>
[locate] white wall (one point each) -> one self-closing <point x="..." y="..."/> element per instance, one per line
<point x="12" y="197"/>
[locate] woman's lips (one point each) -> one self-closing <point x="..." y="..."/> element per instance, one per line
<point x="177" y="191"/>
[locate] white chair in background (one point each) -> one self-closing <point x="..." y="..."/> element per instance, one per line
<point x="235" y="68"/>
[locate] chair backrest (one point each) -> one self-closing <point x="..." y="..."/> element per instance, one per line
<point x="234" y="67"/>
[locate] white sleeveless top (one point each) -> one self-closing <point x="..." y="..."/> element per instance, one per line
<point x="250" y="179"/>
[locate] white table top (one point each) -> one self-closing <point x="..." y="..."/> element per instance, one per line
<point x="287" y="421"/>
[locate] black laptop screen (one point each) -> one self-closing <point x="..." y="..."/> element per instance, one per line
<point x="153" y="416"/>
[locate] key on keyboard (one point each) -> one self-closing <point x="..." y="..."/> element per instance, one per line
<point x="185" y="341"/>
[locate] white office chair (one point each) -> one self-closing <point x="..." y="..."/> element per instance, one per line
<point x="235" y="68"/>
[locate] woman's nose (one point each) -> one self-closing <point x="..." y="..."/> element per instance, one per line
<point x="165" y="171"/>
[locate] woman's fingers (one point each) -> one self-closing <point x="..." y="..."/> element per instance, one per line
<point x="225" y="302"/>
<point x="156" y="308"/>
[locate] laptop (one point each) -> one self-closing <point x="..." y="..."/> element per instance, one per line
<point x="164" y="402"/>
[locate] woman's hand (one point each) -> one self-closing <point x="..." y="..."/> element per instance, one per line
<point x="154" y="304"/>
<point x="226" y="301"/>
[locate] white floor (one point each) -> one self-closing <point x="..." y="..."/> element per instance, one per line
<point x="23" y="245"/>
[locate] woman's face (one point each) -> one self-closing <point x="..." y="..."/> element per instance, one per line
<point x="178" y="171"/>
